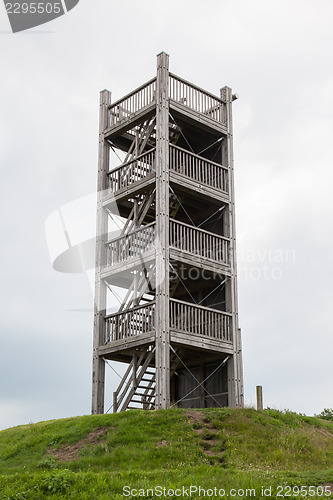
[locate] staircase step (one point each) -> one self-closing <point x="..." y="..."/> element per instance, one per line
<point x="139" y="401"/>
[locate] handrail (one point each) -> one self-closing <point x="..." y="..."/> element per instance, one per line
<point x="201" y="307"/>
<point x="198" y="168"/>
<point x="130" y="323"/>
<point x="126" y="311"/>
<point x="132" y="103"/>
<point x="200" y="320"/>
<point x="130" y="94"/>
<point x="126" y="235"/>
<point x="199" y="229"/>
<point x="197" y="99"/>
<point x="123" y="165"/>
<point x="203" y="91"/>
<point x="130" y="245"/>
<point x="133" y="171"/>
<point x="199" y="242"/>
<point x="198" y="156"/>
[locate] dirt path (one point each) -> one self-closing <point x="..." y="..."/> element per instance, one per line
<point x="203" y="428"/>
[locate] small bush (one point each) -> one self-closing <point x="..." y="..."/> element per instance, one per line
<point x="326" y="414"/>
<point x="58" y="481"/>
<point x="48" y="462"/>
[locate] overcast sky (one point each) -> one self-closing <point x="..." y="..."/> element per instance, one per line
<point x="277" y="55"/>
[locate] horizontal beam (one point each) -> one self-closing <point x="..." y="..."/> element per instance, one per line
<point x="194" y="260"/>
<point x="201" y="342"/>
<point x="200" y="189"/>
<point x="127" y="343"/>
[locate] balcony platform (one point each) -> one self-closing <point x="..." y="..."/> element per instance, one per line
<point x="122" y="350"/>
<point x="121" y="273"/>
<point x="117" y="133"/>
<point x="196" y="119"/>
<point x="196" y="261"/>
<point x="200" y="342"/>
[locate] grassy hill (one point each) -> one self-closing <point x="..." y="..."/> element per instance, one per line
<point x="238" y="452"/>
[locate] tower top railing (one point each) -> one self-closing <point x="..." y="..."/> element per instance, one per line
<point x="180" y="91"/>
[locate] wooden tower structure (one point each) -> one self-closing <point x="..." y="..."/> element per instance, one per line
<point x="175" y="257"/>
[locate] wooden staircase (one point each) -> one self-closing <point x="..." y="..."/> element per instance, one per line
<point x="138" y="385"/>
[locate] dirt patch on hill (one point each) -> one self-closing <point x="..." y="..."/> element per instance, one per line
<point x="161" y="444"/>
<point x="71" y="452"/>
<point x="196" y="415"/>
<point x="207" y="433"/>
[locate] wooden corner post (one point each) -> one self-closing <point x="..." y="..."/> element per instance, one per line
<point x="235" y="366"/>
<point x="98" y="375"/>
<point x="162" y="357"/>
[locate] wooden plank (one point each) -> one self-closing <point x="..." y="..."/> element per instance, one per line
<point x="200" y="342"/>
<point x="127" y="343"/>
<point x="111" y="273"/>
<point x="131" y="122"/>
<point x="236" y="370"/>
<point x="132" y="93"/>
<point x="98" y="374"/>
<point x="198" y="188"/>
<point x="162" y="358"/>
<point x="199" y="262"/>
<point x="203" y="308"/>
<point x="125" y="193"/>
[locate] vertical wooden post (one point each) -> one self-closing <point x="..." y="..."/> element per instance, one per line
<point x="162" y="355"/>
<point x="135" y="367"/>
<point x="235" y="372"/>
<point x="259" y="398"/>
<point x="98" y="376"/>
<point x="115" y="402"/>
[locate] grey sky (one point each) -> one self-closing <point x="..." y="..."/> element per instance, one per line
<point x="277" y="56"/>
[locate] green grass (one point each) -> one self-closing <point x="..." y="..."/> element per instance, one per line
<point x="229" y="449"/>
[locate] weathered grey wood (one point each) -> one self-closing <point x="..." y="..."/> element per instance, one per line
<point x="199" y="168"/>
<point x="259" y="398"/>
<point x="204" y="189"/>
<point x="206" y="122"/>
<point x="228" y="158"/>
<point x="162" y="227"/>
<point x="98" y="374"/>
<point x="125" y="193"/>
<point x="147" y="321"/>
<point x="137" y="118"/>
<point x="199" y="262"/>
<point x="199" y="242"/>
<point x="139" y="377"/>
<point x="199" y="342"/>
<point x="127" y="343"/>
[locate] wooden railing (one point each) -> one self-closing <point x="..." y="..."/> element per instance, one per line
<point x="132" y="171"/>
<point x="130" y="323"/>
<point x="199" y="242"/>
<point x="184" y="317"/>
<point x="132" y="103"/>
<point x="180" y="91"/>
<point x="198" y="168"/>
<point x="196" y="98"/>
<point x="199" y="320"/>
<point x="130" y="245"/>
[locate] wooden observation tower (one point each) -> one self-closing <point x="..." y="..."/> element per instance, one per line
<point x="174" y="258"/>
